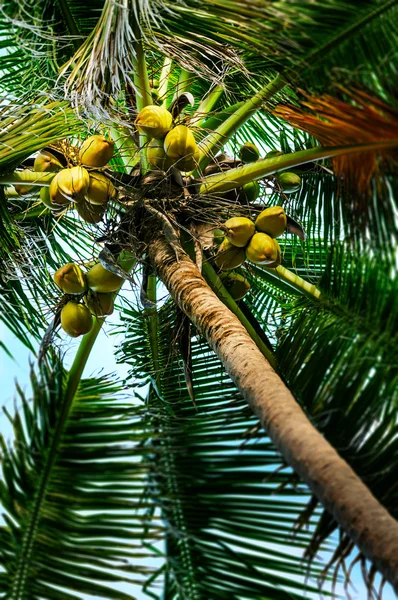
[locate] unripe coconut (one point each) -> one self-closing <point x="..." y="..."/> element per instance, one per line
<point x="71" y="279"/>
<point x="249" y="152"/>
<point x="218" y="237"/>
<point x="157" y="156"/>
<point x="100" y="305"/>
<point x="46" y="199"/>
<point x="261" y="249"/>
<point x="76" y="319"/>
<point x="250" y="192"/>
<point x="236" y="284"/>
<point x="100" y="189"/>
<point x="91" y="213"/>
<point x="289" y="182"/>
<point x="272" y="220"/>
<point x="103" y="281"/>
<point x="239" y="230"/>
<point x="180" y="145"/>
<point x="274" y="154"/>
<point x="72" y="183"/>
<point x="229" y="256"/>
<point x="45" y="161"/>
<point x="96" y="151"/>
<point x="22" y="190"/>
<point x="154" y="121"/>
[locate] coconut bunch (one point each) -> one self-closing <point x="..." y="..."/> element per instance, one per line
<point x="83" y="186"/>
<point x="252" y="241"/>
<point x="170" y="145"/>
<point x="85" y="295"/>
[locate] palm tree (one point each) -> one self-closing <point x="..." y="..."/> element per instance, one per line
<point x="95" y="485"/>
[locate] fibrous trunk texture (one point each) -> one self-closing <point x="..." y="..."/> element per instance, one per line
<point x="333" y="481"/>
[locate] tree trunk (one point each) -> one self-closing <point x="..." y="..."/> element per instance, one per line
<point x="331" y="479"/>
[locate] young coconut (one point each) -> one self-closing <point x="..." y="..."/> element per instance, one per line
<point x="218" y="237"/>
<point x="157" y="156"/>
<point x="274" y="154"/>
<point x="72" y="183"/>
<point x="272" y="220"/>
<point x="91" y="213"/>
<point x="45" y="161"/>
<point x="100" y="305"/>
<point x="154" y="121"/>
<point x="236" y="284"/>
<point x="180" y="146"/>
<point x="250" y="192"/>
<point x="71" y="279"/>
<point x="57" y="198"/>
<point x="229" y="256"/>
<point x="249" y="153"/>
<point x="289" y="182"/>
<point x="100" y="189"/>
<point x="76" y="319"/>
<point x="103" y="281"/>
<point x="46" y="199"/>
<point x="96" y="151"/>
<point x="239" y="230"/>
<point x="262" y="250"/>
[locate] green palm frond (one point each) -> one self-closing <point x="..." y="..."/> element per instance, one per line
<point x="66" y="540"/>
<point x="216" y="501"/>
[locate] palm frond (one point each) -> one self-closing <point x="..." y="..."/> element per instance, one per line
<point x="66" y="541"/>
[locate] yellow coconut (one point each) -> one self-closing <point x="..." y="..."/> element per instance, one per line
<point x="100" y="189"/>
<point x="45" y="161"/>
<point x="229" y="256"/>
<point x="91" y="213"/>
<point x="272" y="220"/>
<point x="154" y="121"/>
<point x="57" y="198"/>
<point x="72" y="183"/>
<point x="76" y="319"/>
<point x="278" y="260"/>
<point x="46" y="199"/>
<point x="101" y="280"/>
<point x="71" y="279"/>
<point x="289" y="182"/>
<point x="99" y="305"/>
<point x="261" y="249"/>
<point x="180" y="146"/>
<point x="157" y="156"/>
<point x="249" y="152"/>
<point x="96" y="151"/>
<point x="236" y="284"/>
<point x="239" y="230"/>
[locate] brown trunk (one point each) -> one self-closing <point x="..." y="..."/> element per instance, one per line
<point x="332" y="480"/>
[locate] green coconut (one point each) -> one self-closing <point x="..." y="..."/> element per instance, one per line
<point x="71" y="279"/>
<point x="290" y="182"/>
<point x="100" y="189"/>
<point x="101" y="280"/>
<point x="96" y="151"/>
<point x="274" y="154"/>
<point x="249" y="153"/>
<point x="250" y="192"/>
<point x="76" y="319"/>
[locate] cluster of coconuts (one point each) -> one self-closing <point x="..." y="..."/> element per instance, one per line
<point x="89" y="189"/>
<point x="170" y="145"/>
<point x="87" y="294"/>
<point x="252" y="241"/>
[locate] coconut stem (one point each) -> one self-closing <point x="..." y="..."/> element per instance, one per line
<point x="207" y="104"/>
<point x="143" y="95"/>
<point x="164" y="80"/>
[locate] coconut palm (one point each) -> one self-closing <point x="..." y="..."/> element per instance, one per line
<point x="265" y="424"/>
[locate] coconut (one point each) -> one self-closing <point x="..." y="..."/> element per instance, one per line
<point x="100" y="189"/>
<point x="103" y="281"/>
<point x="236" y="284"/>
<point x="100" y="305"/>
<point x="239" y="230"/>
<point x="289" y="182"/>
<point x="96" y="151"/>
<point x="57" y="199"/>
<point x="76" y="319"/>
<point x="46" y="199"/>
<point x="274" y="154"/>
<point x="218" y="237"/>
<point x="180" y="146"/>
<point x="261" y="249"/>
<point x="272" y="220"/>
<point x="154" y="121"/>
<point x="250" y="192"/>
<point x="278" y="260"/>
<point x="157" y="156"/>
<point x="71" y="279"/>
<point x="229" y="256"/>
<point x="91" y="213"/>
<point x="249" y="153"/>
<point x="45" y="161"/>
<point x="72" y="184"/>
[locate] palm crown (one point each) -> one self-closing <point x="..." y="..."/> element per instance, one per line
<point x="213" y="111"/>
